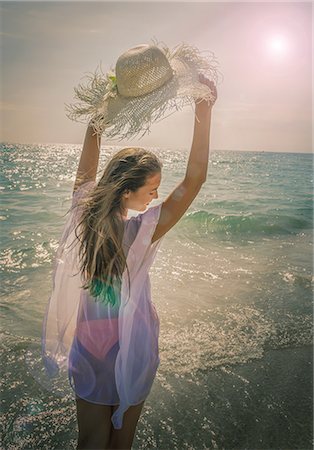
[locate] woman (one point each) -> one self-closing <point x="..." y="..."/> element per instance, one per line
<point x="141" y="174"/>
<point x="100" y="323"/>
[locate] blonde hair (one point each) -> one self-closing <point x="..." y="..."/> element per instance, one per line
<point x="101" y="227"/>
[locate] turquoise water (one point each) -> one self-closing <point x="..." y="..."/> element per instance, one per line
<point x="232" y="285"/>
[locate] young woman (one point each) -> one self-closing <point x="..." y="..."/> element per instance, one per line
<point x="112" y="331"/>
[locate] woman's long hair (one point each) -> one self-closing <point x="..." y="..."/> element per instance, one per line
<point x="100" y="228"/>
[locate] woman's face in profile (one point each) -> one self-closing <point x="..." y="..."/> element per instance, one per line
<point x="140" y="199"/>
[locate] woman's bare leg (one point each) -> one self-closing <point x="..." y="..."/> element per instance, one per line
<point x="123" y="438"/>
<point x="94" y="423"/>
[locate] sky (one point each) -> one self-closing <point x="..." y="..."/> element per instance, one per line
<point x="264" y="52"/>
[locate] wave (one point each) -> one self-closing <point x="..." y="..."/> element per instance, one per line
<point x="204" y="222"/>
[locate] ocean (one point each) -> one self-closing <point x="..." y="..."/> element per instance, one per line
<point x="232" y="284"/>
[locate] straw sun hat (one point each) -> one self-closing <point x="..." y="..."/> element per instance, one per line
<point x="148" y="81"/>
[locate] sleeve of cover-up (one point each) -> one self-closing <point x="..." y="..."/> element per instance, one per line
<point x="82" y="190"/>
<point x="75" y="212"/>
<point x="137" y="359"/>
<point x="59" y="321"/>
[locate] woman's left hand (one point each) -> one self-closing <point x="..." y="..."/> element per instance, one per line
<point x="203" y="103"/>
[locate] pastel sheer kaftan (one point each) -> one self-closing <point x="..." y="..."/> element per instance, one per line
<point x="110" y="353"/>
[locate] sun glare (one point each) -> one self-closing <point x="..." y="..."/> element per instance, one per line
<point x="277" y="45"/>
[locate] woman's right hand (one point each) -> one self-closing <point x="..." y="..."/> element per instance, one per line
<point x="203" y="103"/>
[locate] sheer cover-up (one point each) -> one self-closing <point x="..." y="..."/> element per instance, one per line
<point x="110" y="353"/>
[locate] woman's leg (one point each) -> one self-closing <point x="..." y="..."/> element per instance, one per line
<point x="94" y="423"/>
<point x="123" y="438"/>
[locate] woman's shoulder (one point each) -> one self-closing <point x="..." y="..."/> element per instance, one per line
<point x="143" y="222"/>
<point x="151" y="215"/>
<point x="147" y="216"/>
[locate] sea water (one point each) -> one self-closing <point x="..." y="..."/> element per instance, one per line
<point x="232" y="284"/>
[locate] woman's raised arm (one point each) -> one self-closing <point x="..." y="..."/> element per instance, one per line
<point x="183" y="195"/>
<point x="88" y="164"/>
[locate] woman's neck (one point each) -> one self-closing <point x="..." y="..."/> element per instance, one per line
<point x="123" y="215"/>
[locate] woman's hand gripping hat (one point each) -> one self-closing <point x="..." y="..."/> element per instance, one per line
<point x="148" y="81"/>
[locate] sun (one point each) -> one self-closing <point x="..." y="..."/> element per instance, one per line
<point x="277" y="45"/>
